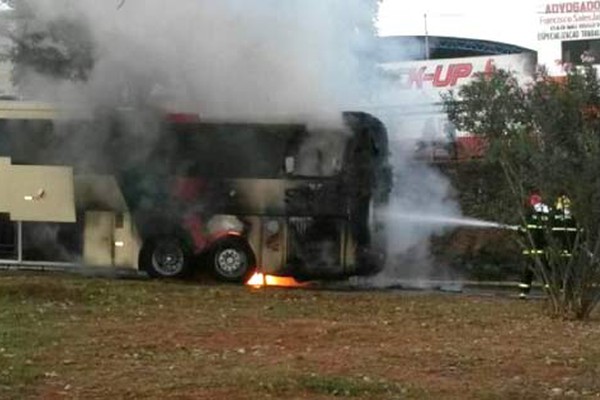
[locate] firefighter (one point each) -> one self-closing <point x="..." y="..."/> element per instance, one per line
<point x="565" y="231"/>
<point x="563" y="204"/>
<point x="537" y="219"/>
<point x="564" y="228"/>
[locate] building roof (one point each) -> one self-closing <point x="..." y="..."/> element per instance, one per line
<point x="400" y="48"/>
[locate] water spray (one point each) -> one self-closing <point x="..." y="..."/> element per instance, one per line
<point x="428" y="219"/>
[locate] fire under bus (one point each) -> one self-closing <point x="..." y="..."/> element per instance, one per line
<point x="182" y="196"/>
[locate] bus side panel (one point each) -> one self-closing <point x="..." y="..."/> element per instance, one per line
<point x="110" y="240"/>
<point x="37" y="193"/>
<point x="267" y="236"/>
<point x="348" y="250"/>
<point x="274" y="244"/>
<point x="98" y="236"/>
<point x="253" y="236"/>
<point x="127" y="242"/>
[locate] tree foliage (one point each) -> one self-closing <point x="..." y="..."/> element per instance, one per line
<point x="545" y="135"/>
<point x="61" y="48"/>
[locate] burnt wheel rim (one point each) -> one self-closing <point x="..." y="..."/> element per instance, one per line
<point x="231" y="262"/>
<point x="168" y="258"/>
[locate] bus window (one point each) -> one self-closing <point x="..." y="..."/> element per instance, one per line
<point x="321" y="154"/>
<point x="229" y="150"/>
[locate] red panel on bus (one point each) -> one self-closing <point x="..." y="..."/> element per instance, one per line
<point x="182" y="118"/>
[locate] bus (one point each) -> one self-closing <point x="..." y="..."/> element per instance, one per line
<point x="174" y="195"/>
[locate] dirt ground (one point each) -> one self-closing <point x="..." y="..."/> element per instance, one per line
<point x="66" y="337"/>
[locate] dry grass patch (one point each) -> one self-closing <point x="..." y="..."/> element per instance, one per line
<point x="65" y="337"/>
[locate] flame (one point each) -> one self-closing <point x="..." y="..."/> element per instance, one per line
<point x="261" y="280"/>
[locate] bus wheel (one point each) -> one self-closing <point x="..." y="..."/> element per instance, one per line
<point x="232" y="260"/>
<point x="165" y="257"/>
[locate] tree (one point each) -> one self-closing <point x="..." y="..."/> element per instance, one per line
<point x="545" y="135"/>
<point x="61" y="48"/>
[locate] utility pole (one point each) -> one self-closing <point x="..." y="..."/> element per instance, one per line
<point x="427" y="55"/>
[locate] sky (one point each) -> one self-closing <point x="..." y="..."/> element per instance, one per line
<point x="509" y="21"/>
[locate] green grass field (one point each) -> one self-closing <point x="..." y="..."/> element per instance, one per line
<point x="66" y="337"/>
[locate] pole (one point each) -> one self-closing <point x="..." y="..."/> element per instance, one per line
<point x="19" y="241"/>
<point x="426" y="37"/>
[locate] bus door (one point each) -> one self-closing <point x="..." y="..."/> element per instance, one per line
<point x="109" y="235"/>
<point x="99" y="238"/>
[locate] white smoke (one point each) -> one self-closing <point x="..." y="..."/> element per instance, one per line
<point x="421" y="194"/>
<point x="233" y="59"/>
<point x="262" y="60"/>
<point x="422" y="203"/>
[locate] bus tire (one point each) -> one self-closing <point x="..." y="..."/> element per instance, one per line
<point x="232" y="260"/>
<point x="165" y="257"/>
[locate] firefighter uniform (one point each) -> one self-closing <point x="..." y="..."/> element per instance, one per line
<point x="560" y="223"/>
<point x="536" y="224"/>
<point x="564" y="228"/>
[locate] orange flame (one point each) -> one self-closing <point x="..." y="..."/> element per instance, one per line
<point x="260" y="280"/>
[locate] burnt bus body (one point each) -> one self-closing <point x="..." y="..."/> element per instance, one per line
<point x="324" y="199"/>
<point x="227" y="197"/>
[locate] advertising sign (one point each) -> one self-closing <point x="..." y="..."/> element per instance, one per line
<point x="413" y="99"/>
<point x="437" y="76"/>
<point x="569" y="20"/>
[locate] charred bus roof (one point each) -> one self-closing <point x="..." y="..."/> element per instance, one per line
<point x="36" y="133"/>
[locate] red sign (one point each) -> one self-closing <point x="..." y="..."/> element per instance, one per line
<point x="447" y="74"/>
<point x="441" y="76"/>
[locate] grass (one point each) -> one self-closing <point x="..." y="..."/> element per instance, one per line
<point x="28" y="328"/>
<point x="67" y="337"/>
<point x="342" y="386"/>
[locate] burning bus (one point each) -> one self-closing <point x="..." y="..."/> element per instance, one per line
<point x="175" y="194"/>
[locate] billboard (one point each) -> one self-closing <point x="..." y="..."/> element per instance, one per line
<point x="412" y="100"/>
<point x="437" y="76"/>
<point x="568" y="20"/>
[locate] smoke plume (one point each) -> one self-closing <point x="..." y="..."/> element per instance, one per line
<point x="230" y="59"/>
<point x="267" y="60"/>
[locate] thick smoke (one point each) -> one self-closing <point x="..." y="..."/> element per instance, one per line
<point x="267" y="60"/>
<point x="229" y="59"/>
<point x="422" y="196"/>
